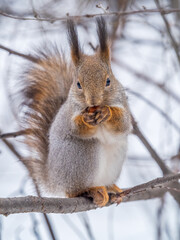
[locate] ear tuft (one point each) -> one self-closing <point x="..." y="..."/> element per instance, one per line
<point x="103" y="39"/>
<point x="74" y="42"/>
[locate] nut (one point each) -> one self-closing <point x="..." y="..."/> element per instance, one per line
<point x="92" y="109"/>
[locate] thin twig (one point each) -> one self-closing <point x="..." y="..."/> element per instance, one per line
<point x="173" y="41"/>
<point x="35" y="227"/>
<point x="85" y="221"/>
<point x="73" y="227"/>
<point x="147" y="79"/>
<point x="15" y="134"/>
<point x="105" y="10"/>
<point x="12" y="148"/>
<point x="156" y="183"/>
<point x="165" y="169"/>
<point x="17" y="154"/>
<point x="53" y="19"/>
<point x="28" y="57"/>
<point x="51" y="231"/>
<point x="156" y="108"/>
<point x="150" y="149"/>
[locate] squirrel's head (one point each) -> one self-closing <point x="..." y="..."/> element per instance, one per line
<point x="94" y="83"/>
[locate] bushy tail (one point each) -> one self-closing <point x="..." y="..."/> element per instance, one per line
<point x="45" y="88"/>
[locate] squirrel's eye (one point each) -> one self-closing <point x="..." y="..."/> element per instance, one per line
<point x="79" y="85"/>
<point x="108" y="82"/>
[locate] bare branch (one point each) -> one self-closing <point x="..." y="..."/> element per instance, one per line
<point x="12" y="148"/>
<point x="15" y="134"/>
<point x="49" y="225"/>
<point x="105" y="10"/>
<point x="16" y="153"/>
<point x="149" y="190"/>
<point x="153" y="153"/>
<point x="173" y="41"/>
<point x="53" y="19"/>
<point x="147" y="79"/>
<point x="73" y="227"/>
<point x="28" y="57"/>
<point x="165" y="169"/>
<point x="168" y="119"/>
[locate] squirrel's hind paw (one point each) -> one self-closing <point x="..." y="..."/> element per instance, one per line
<point x="112" y="190"/>
<point x="99" y="195"/>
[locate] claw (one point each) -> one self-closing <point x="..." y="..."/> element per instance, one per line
<point x="99" y="195"/>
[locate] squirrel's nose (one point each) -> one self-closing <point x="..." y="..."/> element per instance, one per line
<point x="94" y="101"/>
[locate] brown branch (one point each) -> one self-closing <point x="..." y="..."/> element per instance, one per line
<point x="165" y="169"/>
<point x="173" y="41"/>
<point x="155" y="107"/>
<point x="13" y="150"/>
<point x="28" y="57"/>
<point x="15" y="134"/>
<point x="149" y="190"/>
<point x="49" y="225"/>
<point x="147" y="79"/>
<point x="150" y="149"/>
<point x="156" y="183"/>
<point x="53" y="19"/>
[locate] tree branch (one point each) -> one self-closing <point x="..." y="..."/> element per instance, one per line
<point x="155" y="107"/>
<point x="53" y="19"/>
<point x="28" y="57"/>
<point x="149" y="190"/>
<point x="147" y="79"/>
<point x="15" y="134"/>
<point x="12" y="148"/>
<point x="173" y="41"/>
<point x="16" y="153"/>
<point x="150" y="149"/>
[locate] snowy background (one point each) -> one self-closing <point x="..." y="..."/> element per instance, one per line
<point x="141" y="43"/>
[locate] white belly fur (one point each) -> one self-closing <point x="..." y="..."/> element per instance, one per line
<point x="112" y="154"/>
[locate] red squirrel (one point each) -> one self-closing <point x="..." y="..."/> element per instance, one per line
<point x="79" y="119"/>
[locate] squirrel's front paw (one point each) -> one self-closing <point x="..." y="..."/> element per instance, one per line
<point x="103" y="114"/>
<point x="89" y="118"/>
<point x="97" y="115"/>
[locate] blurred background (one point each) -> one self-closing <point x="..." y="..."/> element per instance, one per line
<point x="146" y="60"/>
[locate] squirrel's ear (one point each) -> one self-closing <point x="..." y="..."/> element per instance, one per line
<point x="74" y="42"/>
<point x="104" y="48"/>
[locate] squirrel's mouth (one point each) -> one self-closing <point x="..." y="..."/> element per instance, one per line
<point x="92" y="109"/>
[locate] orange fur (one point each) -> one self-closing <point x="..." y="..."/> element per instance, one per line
<point x="84" y="128"/>
<point x="99" y="194"/>
<point x="116" y="122"/>
<point x="113" y="189"/>
<point x="45" y="88"/>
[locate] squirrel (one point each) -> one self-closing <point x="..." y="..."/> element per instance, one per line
<point x="79" y="119"/>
